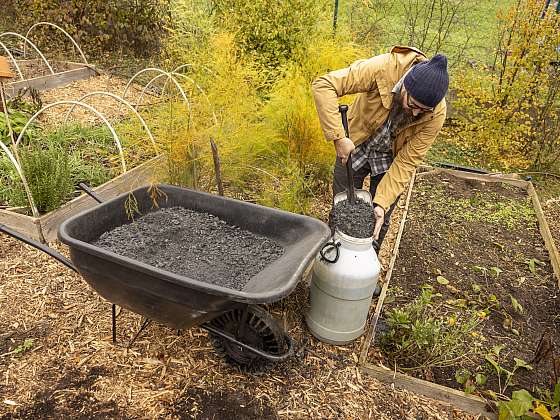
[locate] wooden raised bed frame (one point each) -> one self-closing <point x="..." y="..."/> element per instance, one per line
<point x="46" y="226"/>
<point x="78" y="71"/>
<point x="459" y="399"/>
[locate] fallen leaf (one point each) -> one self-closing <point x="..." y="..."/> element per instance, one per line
<point x="516" y="305"/>
<point x="452" y="289"/>
<point x="442" y="280"/>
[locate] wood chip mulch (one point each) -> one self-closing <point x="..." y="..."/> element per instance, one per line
<point x="69" y="368"/>
<point x="109" y="107"/>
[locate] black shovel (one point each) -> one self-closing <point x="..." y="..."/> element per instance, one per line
<point x="343" y="109"/>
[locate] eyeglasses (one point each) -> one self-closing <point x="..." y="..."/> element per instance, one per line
<point x="413" y="105"/>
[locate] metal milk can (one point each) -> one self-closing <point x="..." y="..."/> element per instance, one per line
<point x="344" y="278"/>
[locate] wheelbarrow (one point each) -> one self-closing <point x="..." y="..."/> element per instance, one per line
<point x="240" y="329"/>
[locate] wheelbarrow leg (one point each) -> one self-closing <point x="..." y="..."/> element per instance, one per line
<point x="114" y="312"/>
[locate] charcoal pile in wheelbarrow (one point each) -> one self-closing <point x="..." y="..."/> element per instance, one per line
<point x="194" y="244"/>
<point x="355" y="220"/>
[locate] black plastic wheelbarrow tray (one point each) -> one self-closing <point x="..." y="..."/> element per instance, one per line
<point x="240" y="329"/>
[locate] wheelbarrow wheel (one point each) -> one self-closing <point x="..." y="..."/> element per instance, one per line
<point x="261" y="331"/>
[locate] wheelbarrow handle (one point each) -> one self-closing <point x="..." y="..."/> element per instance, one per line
<point x="85" y="188"/>
<point x="41" y="247"/>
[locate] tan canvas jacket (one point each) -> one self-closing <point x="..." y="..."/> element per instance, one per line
<point x="373" y="79"/>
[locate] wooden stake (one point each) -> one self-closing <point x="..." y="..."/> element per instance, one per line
<point x="217" y="166"/>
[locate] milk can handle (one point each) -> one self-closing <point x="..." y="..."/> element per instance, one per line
<point x="327" y="247"/>
<point x="376" y="246"/>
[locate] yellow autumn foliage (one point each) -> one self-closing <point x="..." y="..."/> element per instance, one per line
<point x="509" y="111"/>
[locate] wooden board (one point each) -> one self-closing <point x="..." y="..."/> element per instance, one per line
<point x="512" y="180"/>
<point x="52" y="81"/>
<point x="457" y="399"/>
<point x="72" y="64"/>
<point x="48" y="224"/>
<point x="21" y="222"/>
<point x="549" y="241"/>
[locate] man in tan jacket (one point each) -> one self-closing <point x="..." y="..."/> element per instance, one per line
<point x="395" y="118"/>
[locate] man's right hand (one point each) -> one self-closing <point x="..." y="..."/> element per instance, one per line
<point x="344" y="147"/>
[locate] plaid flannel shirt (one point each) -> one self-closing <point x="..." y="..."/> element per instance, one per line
<point x="378" y="149"/>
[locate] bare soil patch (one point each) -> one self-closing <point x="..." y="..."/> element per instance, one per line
<point x="478" y="246"/>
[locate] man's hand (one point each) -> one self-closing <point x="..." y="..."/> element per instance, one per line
<point x="379" y="214"/>
<point x="344" y="147"/>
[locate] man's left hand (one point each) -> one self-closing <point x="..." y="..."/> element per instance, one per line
<point x="379" y="214"/>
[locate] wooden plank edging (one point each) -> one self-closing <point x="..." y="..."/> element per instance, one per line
<point x="469" y="403"/>
<point x="549" y="242"/>
<point x="52" y="81"/>
<point x="479" y="177"/>
<point x="21" y="222"/>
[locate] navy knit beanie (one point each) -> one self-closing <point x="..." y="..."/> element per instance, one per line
<point x="427" y="81"/>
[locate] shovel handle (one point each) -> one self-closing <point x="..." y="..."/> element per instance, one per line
<point x="343" y="109"/>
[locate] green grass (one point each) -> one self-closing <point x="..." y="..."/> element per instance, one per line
<point x="489" y="207"/>
<point x="477" y="27"/>
<point x="445" y="150"/>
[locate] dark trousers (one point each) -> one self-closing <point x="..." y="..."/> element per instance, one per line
<point x="340" y="184"/>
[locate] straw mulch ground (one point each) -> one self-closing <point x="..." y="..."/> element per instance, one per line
<point x="72" y="370"/>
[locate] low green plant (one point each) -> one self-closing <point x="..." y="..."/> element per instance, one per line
<point x="23" y="347"/>
<point x="507" y="374"/>
<point x="422" y="337"/>
<point x="49" y="175"/>
<point x="469" y="380"/>
<point x="483" y="206"/>
<point x="523" y="405"/>
<point x="532" y="264"/>
<point x="91" y="149"/>
<point x="11" y="188"/>
<point x="55" y="162"/>
<point x="516" y="305"/>
<point x="19" y="112"/>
